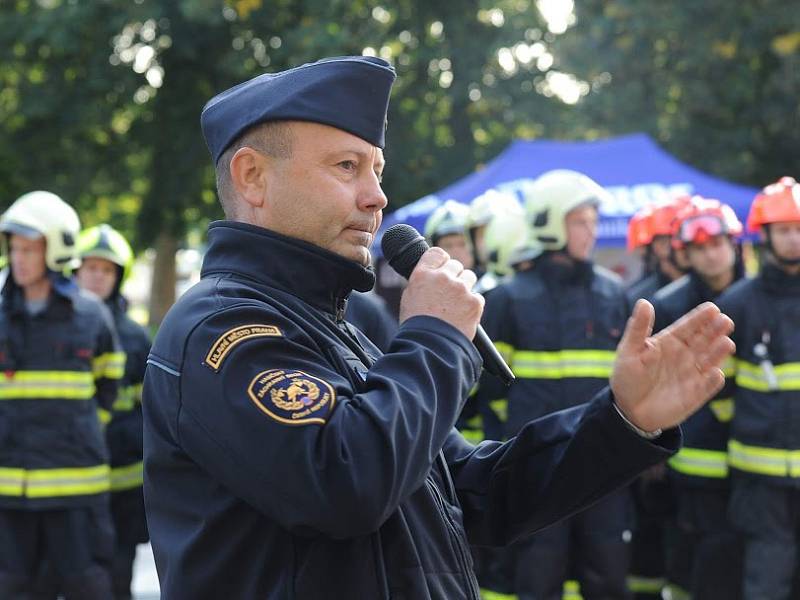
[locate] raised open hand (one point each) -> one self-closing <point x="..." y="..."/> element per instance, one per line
<point x="658" y="381"/>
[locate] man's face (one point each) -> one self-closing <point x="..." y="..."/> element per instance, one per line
<point x="328" y="192"/>
<point x="662" y="246"/>
<point x="713" y="258"/>
<point x="786" y="239"/>
<point x="455" y="244"/>
<point x="581" y="224"/>
<point x="27" y="259"/>
<point x="98" y="275"/>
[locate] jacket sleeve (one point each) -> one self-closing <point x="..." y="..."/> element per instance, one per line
<point x="555" y="466"/>
<point x="108" y="362"/>
<point x="346" y="469"/>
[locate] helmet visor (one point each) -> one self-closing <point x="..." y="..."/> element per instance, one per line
<point x="12" y="228"/>
<point x="698" y="230"/>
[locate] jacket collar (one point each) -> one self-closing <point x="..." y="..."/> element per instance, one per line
<point x="777" y="281"/>
<point x="59" y="304"/>
<point x="317" y="276"/>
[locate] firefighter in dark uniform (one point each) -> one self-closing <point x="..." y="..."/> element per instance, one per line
<point x="284" y="456"/>
<point x="706" y="230"/>
<point x="650" y="229"/>
<point x="60" y="361"/>
<point x="764" y="445"/>
<point x="559" y="323"/>
<point x="106" y="262"/>
<point x="650" y="233"/>
<point x="506" y="245"/>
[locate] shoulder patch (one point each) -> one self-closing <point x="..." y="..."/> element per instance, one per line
<point x="228" y="340"/>
<point x="292" y="397"/>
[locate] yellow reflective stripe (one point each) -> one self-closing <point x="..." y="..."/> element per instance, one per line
<point x="127" y="477"/>
<point x="127" y="398"/>
<point x="500" y="408"/>
<point x="752" y="377"/>
<point x="572" y="590"/>
<point x="492" y="595"/>
<point x="103" y="416"/>
<point x="776" y="462"/>
<point x="506" y="351"/>
<point x="645" y="585"/>
<point x="729" y="367"/>
<point x="698" y="462"/>
<point x="473" y="436"/>
<point x="560" y="364"/>
<point x="11" y="481"/>
<point x="723" y="409"/>
<point x="110" y="365"/>
<point x="52" y="483"/>
<point x="71" y="385"/>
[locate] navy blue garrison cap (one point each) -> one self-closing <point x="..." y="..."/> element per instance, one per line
<point x="350" y="93"/>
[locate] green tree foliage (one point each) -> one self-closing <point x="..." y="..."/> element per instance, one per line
<point x="716" y="82"/>
<point x="100" y="101"/>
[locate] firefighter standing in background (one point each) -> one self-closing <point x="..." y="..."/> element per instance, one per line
<point x="446" y="228"/>
<point x="482" y="210"/>
<point x="106" y="262"/>
<point x="651" y="229"/>
<point x="764" y="446"/>
<point x="558" y="324"/>
<point x="60" y="359"/>
<point x="650" y="232"/>
<point x="706" y="230"/>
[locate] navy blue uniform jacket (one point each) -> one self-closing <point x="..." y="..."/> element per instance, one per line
<point x="286" y="458"/>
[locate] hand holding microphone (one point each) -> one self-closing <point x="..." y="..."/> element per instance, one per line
<point x="439" y="286"/>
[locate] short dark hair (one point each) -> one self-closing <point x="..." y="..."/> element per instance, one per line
<point x="273" y="138"/>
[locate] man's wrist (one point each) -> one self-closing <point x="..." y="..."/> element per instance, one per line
<point x="648" y="435"/>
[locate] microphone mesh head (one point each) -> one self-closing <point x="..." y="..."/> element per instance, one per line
<point x="403" y="246"/>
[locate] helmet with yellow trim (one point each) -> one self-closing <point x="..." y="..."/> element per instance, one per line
<point x="103" y="241"/>
<point x="554" y="194"/>
<point x="448" y="219"/>
<point x="43" y="214"/>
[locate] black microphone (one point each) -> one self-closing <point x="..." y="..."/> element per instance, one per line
<point x="403" y="246"/>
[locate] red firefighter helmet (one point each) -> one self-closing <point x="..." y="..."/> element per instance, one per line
<point x="703" y="218"/>
<point x="779" y="202"/>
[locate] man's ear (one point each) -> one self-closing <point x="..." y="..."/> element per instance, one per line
<point x="249" y="175"/>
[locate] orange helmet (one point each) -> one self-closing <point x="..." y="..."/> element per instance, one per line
<point x="653" y="220"/>
<point x="779" y="202"/>
<point x="703" y="218"/>
<point x="639" y="228"/>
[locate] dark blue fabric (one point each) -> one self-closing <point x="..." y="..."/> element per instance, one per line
<point x="349" y="93"/>
<point x="380" y="499"/>
<point x="632" y="167"/>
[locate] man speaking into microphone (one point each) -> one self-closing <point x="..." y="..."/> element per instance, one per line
<point x="285" y="457"/>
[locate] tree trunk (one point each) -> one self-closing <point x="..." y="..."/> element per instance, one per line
<point x="162" y="290"/>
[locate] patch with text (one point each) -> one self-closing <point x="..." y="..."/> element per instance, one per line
<point x="231" y="338"/>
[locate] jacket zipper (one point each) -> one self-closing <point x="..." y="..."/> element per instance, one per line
<point x="472" y="591"/>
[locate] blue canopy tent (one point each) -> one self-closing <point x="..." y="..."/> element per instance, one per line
<point x="633" y="168"/>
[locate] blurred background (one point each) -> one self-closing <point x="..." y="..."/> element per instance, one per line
<point x="100" y="101"/>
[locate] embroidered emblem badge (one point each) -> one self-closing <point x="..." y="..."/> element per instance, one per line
<point x="292" y="397"/>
